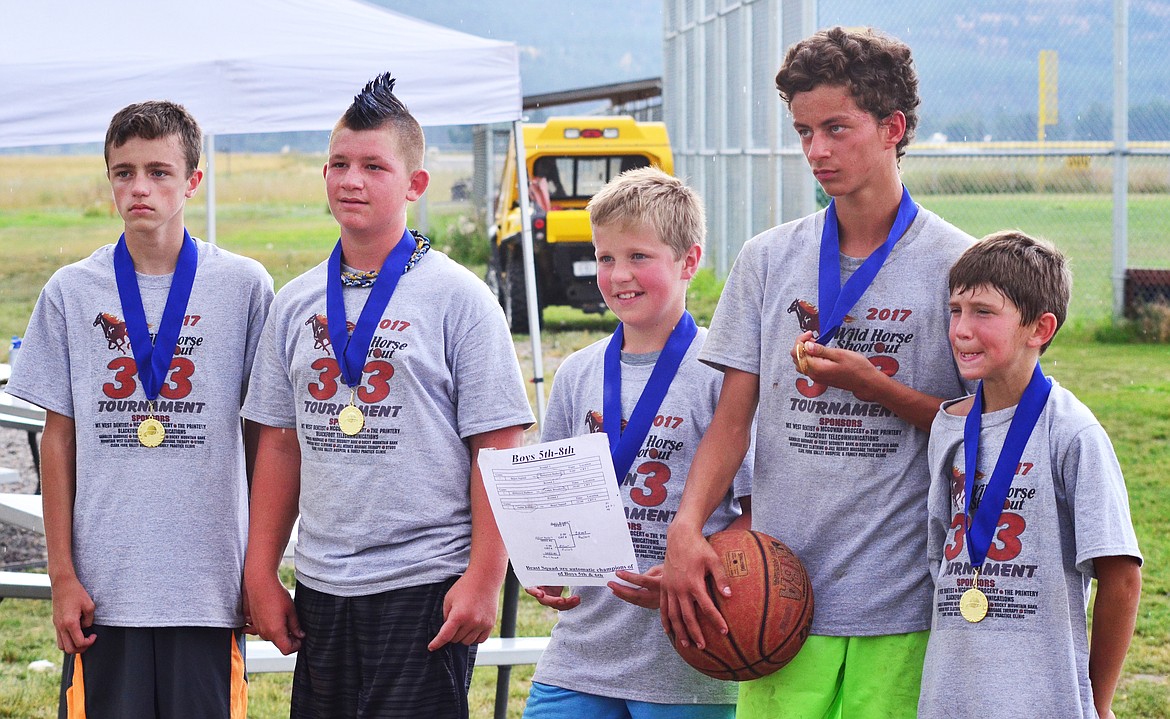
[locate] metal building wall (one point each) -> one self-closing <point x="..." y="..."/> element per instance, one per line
<point x="732" y="139"/>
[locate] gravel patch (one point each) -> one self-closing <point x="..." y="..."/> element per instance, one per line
<point x="19" y="548"/>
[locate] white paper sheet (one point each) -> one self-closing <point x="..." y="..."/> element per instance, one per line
<point x="559" y="511"/>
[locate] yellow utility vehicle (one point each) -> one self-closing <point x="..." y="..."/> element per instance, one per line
<point x="568" y="159"/>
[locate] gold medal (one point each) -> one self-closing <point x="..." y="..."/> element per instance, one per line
<point x="973" y="605"/>
<point x="351" y="419"/>
<point x="151" y="432"/>
<point x="801" y="358"/>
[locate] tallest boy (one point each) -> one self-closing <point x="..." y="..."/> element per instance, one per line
<point x="835" y="326"/>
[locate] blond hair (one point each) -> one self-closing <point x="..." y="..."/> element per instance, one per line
<point x="648" y="197"/>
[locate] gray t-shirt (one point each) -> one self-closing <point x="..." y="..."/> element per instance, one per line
<point x="607" y="646"/>
<point x="1067" y="505"/>
<point x="390" y="507"/>
<point x="841" y="481"/>
<point x="158" y="533"/>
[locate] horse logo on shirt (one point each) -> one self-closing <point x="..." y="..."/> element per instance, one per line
<point x="808" y="316"/>
<point x="114" y="329"/>
<point x="320" y="325"/>
<point x="595" y="424"/>
<point x="959" y="488"/>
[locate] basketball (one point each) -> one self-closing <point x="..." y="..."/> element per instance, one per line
<point x="768" y="613"/>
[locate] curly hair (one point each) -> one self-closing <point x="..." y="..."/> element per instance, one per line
<point x="877" y="69"/>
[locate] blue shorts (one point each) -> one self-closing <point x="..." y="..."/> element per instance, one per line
<point x="549" y="702"/>
<point x="156" y="673"/>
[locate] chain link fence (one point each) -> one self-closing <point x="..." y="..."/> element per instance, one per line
<point x="1016" y="125"/>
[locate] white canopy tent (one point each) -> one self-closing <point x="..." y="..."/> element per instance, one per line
<point x="66" y="66"/>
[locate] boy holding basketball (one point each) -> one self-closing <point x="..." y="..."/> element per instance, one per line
<point x="382" y="372"/>
<point x="1015" y="544"/>
<point x="841" y="474"/>
<point x="645" y="388"/>
<point x="141" y="365"/>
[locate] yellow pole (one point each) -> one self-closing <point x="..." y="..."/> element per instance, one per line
<point x="1048" y="111"/>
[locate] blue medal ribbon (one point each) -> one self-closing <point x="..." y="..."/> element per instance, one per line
<point x="154" y="358"/>
<point x="351" y="351"/>
<point x="623" y="446"/>
<point x="981" y="527"/>
<point x="834" y="300"/>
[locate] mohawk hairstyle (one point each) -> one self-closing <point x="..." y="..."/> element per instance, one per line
<point x="374" y="105"/>
<point x="377" y="106"/>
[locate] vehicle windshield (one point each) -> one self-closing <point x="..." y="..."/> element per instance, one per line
<point x="577" y="177"/>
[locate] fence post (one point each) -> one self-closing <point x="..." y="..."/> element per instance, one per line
<point x="1120" y="153"/>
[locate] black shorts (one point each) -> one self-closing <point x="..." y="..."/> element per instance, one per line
<point x="367" y="657"/>
<point x="156" y="672"/>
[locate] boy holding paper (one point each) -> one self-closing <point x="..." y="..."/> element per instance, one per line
<point x="646" y="389"/>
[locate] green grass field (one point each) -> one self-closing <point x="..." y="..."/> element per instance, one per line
<point x="1080" y="225"/>
<point x="54" y="210"/>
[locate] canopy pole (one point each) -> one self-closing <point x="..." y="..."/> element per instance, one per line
<point x="209" y="181"/>
<point x="529" y="271"/>
<point x="511" y="584"/>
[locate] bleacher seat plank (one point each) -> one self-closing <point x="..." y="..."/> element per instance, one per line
<point x="24" y="585"/>
<point x="263" y="657"/>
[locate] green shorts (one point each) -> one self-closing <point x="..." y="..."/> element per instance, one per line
<point x="841" y="678"/>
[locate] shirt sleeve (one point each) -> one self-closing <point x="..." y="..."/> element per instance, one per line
<point x="42" y="373"/>
<point x="734" y="337"/>
<point x="271" y="400"/>
<point x="262" y="294"/>
<point x="558" y="422"/>
<point x="1097" y="499"/>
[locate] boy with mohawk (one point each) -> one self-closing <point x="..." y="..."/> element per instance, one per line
<point x="1027" y="505"/>
<point x="141" y="365"/>
<point x="607" y="658"/>
<point x="382" y="373"/>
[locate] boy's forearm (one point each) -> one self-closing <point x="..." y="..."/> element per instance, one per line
<point x="274" y="504"/>
<point x="717" y="459"/>
<point x="911" y="406"/>
<point x="869" y="382"/>
<point x="59" y="489"/>
<point x="73" y="607"/>
<point x="1119" y="586"/>
<point x="489" y="558"/>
